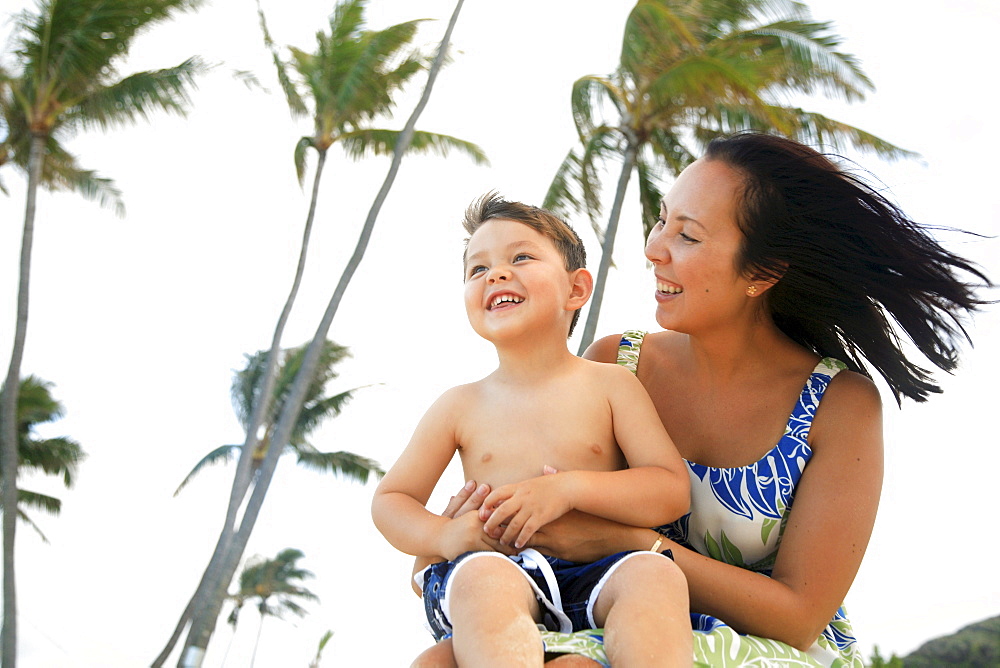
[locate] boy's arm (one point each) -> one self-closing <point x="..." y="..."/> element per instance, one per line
<point x="654" y="489"/>
<point x="398" y="504"/>
<point x="645" y="443"/>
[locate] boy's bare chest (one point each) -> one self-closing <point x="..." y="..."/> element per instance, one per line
<point x="510" y="438"/>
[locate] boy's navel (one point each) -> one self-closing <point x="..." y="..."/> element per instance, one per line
<point x="596" y="449"/>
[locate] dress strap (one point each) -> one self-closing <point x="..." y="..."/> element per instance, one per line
<point x="628" y="349"/>
<point x="800" y="421"/>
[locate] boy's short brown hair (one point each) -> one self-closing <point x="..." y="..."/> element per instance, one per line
<point x="492" y="206"/>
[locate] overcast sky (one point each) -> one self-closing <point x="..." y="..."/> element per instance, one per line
<point x="140" y="321"/>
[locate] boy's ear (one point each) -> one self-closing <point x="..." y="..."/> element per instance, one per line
<point x="581" y="287"/>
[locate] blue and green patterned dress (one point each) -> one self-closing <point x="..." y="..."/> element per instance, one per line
<point x="737" y="516"/>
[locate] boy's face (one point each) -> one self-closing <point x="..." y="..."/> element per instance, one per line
<point x="516" y="281"/>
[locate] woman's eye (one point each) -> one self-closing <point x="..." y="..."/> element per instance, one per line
<point x="688" y="239"/>
<point x="659" y="222"/>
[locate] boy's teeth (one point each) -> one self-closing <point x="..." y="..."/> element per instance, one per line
<point x="506" y="298"/>
<point x="669" y="289"/>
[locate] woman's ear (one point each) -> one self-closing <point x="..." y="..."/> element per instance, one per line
<point x="762" y="283"/>
<point x="581" y="287"/>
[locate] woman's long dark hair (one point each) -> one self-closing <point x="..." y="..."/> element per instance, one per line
<point x="851" y="267"/>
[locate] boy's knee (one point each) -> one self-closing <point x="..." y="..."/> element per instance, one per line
<point x="441" y="655"/>
<point x="484" y="567"/>
<point x="644" y="573"/>
<point x="485" y="576"/>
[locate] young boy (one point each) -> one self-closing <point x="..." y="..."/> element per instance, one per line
<point x="525" y="282"/>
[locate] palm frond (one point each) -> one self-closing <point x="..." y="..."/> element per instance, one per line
<point x="561" y="198"/>
<point x="347" y="464"/>
<point x="806" y="58"/>
<point x="137" y="96"/>
<point x="661" y="30"/>
<point x="322" y="408"/>
<point x="365" y="142"/>
<point x="223" y="454"/>
<point x="87" y="183"/>
<point x="38" y="501"/>
<point x="649" y="195"/>
<point x="301" y="149"/>
<point x="815" y="127"/>
<point x="296" y="105"/>
<point x="23" y="516"/>
<point x="54" y="456"/>
<point x="588" y="95"/>
<point x="375" y="92"/>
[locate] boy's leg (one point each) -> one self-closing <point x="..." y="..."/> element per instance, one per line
<point x="442" y="656"/>
<point x="644" y="610"/>
<point x="493" y="609"/>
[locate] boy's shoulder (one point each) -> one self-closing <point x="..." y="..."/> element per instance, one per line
<point x="461" y="393"/>
<point x="610" y="375"/>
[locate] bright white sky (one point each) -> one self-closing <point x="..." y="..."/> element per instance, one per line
<point x="140" y="322"/>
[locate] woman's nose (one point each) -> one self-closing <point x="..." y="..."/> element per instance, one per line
<point x="656" y="248"/>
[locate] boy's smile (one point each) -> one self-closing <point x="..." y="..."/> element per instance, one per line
<point x="504" y="299"/>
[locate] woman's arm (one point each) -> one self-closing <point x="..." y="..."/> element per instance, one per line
<point x="823" y="543"/>
<point x="826" y="535"/>
<point x="824" y="540"/>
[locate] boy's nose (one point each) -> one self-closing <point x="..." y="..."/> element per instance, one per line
<point x="499" y="274"/>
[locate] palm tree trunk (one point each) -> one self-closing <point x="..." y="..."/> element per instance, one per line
<point x="8" y="410"/>
<point x="203" y="624"/>
<point x="608" y="247"/>
<point x="256" y="643"/>
<point x="214" y="577"/>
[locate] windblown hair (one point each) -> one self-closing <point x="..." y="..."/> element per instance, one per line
<point x="492" y="206"/>
<point x="851" y="268"/>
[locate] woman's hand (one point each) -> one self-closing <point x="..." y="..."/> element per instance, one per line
<point x="470" y="497"/>
<point x="581" y="537"/>
<point x="465" y="535"/>
<point x="465" y="532"/>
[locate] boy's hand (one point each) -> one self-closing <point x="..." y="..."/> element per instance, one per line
<point x="513" y="513"/>
<point x="465" y="533"/>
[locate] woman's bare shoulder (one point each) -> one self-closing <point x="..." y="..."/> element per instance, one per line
<point x="851" y="411"/>
<point x="604" y="349"/>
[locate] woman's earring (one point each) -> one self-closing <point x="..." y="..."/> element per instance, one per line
<point x="751" y="290"/>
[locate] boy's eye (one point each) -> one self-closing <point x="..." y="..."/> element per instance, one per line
<point x="521" y="256"/>
<point x="476" y="270"/>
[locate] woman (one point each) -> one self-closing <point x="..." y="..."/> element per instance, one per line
<point x="777" y="275"/>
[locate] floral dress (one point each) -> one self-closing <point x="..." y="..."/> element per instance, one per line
<point x="737" y="516"/>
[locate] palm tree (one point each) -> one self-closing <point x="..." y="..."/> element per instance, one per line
<point x="67" y="54"/>
<point x="276" y="584"/>
<point x="343" y="86"/>
<point x="691" y="70"/>
<point x="54" y="456"/>
<point x="247" y="384"/>
<point x="324" y="639"/>
<point x="206" y="603"/>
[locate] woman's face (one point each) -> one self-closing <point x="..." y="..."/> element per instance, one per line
<point x="693" y="248"/>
